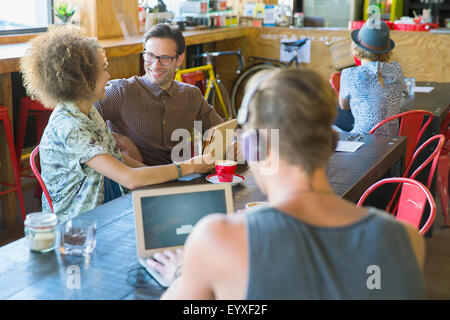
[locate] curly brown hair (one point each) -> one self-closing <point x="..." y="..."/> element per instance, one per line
<point x="61" y="65"/>
<point x="301" y="104"/>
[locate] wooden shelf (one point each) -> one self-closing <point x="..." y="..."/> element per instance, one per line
<point x="415" y="5"/>
<point x="120" y="47"/>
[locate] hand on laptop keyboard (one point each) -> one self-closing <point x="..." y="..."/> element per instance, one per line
<point x="167" y="263"/>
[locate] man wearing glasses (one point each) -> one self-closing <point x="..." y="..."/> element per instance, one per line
<point x="148" y="109"/>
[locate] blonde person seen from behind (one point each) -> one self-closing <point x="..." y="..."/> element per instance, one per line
<point x="372" y="91"/>
<point x="81" y="164"/>
<point x="309" y="243"/>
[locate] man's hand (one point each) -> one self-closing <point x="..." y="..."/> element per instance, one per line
<point x="127" y="146"/>
<point x="168" y="263"/>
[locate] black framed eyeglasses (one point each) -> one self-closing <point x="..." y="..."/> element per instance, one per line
<point x="163" y="60"/>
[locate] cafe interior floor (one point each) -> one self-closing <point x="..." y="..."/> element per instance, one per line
<point x="437" y="263"/>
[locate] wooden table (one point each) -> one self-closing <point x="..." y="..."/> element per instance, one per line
<point x="436" y="101"/>
<point x="113" y="271"/>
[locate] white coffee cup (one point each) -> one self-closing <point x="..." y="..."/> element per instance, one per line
<point x="254" y="204"/>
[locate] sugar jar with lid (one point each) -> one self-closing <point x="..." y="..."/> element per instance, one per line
<point x="41" y="231"/>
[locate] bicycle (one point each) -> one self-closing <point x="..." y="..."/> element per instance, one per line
<point x="215" y="87"/>
<point x="238" y="87"/>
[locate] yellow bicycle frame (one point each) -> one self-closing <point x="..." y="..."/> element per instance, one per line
<point x="211" y="81"/>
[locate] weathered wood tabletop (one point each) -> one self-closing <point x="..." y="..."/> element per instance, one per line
<point x="113" y="272"/>
<point x="436" y="101"/>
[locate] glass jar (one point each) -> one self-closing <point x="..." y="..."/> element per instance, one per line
<point x="299" y="19"/>
<point x="41" y="231"/>
<point x="283" y="15"/>
<point x="410" y="85"/>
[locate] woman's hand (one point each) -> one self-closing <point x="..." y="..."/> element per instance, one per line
<point x="201" y="164"/>
<point x="128" y="147"/>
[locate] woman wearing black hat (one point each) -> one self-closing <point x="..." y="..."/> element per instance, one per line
<point x="373" y="90"/>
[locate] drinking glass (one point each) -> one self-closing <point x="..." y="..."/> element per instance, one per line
<point x="410" y="85"/>
<point x="78" y="237"/>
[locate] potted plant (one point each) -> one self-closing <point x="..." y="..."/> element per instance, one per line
<point x="64" y="13"/>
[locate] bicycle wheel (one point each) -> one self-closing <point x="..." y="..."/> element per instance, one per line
<point x="213" y="99"/>
<point x="226" y="99"/>
<point x="237" y="92"/>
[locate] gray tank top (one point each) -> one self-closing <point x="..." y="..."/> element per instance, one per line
<point x="369" y="259"/>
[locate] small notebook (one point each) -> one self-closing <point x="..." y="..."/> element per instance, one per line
<point x="423" y="89"/>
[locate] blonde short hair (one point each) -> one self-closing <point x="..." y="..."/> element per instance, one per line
<point x="360" y="53"/>
<point x="61" y="65"/>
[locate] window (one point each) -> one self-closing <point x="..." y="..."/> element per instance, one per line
<point x="25" y="16"/>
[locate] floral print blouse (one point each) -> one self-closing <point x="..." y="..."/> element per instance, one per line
<point x="370" y="102"/>
<point x="70" y="140"/>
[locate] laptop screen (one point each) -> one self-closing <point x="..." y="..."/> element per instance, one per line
<point x="168" y="219"/>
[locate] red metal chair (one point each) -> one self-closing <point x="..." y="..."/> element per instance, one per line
<point x="431" y="160"/>
<point x="196" y="78"/>
<point x="445" y="128"/>
<point x="29" y="107"/>
<point x="442" y="184"/>
<point x="335" y="82"/>
<point x="411" y="127"/>
<point x="442" y="181"/>
<point x="412" y="201"/>
<point x="17" y="187"/>
<point x="35" y="169"/>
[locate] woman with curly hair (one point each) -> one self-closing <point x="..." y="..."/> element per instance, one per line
<point x="373" y="90"/>
<point x="80" y="161"/>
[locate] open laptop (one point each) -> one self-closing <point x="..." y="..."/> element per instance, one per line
<point x="165" y="216"/>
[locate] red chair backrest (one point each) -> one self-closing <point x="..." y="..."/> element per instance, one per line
<point x="34" y="104"/>
<point x="411" y="127"/>
<point x="432" y="158"/>
<point x="196" y="78"/>
<point x="445" y="130"/>
<point x="335" y="82"/>
<point x="38" y="176"/>
<point x="412" y="201"/>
